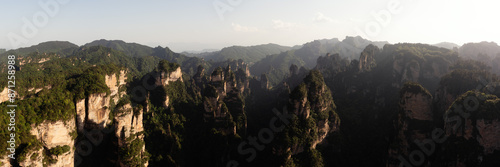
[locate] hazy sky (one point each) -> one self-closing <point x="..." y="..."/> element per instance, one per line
<point x="197" y="24"/>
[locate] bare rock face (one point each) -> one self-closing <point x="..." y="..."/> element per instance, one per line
<point x="264" y="82"/>
<point x="80" y="114"/>
<point x="300" y="107"/>
<point x="172" y="77"/>
<point x="124" y="123"/>
<point x="217" y="75"/>
<point x="411" y="72"/>
<point x="217" y="111"/>
<point x="199" y="77"/>
<point x="54" y="134"/>
<point x="313" y="100"/>
<point x="489" y="135"/>
<point x="4" y="95"/>
<point x="473" y="130"/>
<point x="115" y="83"/>
<point x="213" y="109"/>
<point x="163" y="78"/>
<point x="417" y="106"/>
<point x="415" y="121"/>
<point x="127" y="123"/>
<point x="93" y="112"/>
<point x="406" y="70"/>
<point x="367" y="58"/>
<point x="443" y="98"/>
<point x="98" y="112"/>
<point x="331" y="64"/>
<point x="34" y="161"/>
<point x="5" y="162"/>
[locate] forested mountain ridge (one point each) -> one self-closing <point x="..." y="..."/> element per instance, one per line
<point x="248" y="54"/>
<point x="276" y="66"/>
<point x="189" y="64"/>
<point x="132" y="49"/>
<point x="148" y="110"/>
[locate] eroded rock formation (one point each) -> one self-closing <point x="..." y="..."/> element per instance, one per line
<point x="414" y="123"/>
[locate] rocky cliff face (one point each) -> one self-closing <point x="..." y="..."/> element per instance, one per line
<point x="489" y="135"/>
<point x="312" y="101"/>
<point x="93" y="111"/>
<point x="367" y="58"/>
<point x="97" y="111"/>
<point x="126" y="122"/>
<point x="114" y="82"/>
<point x="473" y="130"/>
<point x="129" y="127"/>
<point x="80" y="114"/>
<point x="4" y="95"/>
<point x="171" y="77"/>
<point x="264" y="82"/>
<point x="417" y="105"/>
<point x="52" y="135"/>
<point x="222" y="103"/>
<point x="5" y="162"/>
<point x="331" y="64"/>
<point x="414" y="123"/>
<point x="456" y="83"/>
<point x="416" y="63"/>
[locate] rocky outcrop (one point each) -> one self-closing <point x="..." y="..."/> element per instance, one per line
<point x="52" y="135"/>
<point x="44" y="58"/>
<point x="97" y="111"/>
<point x="127" y="123"/>
<point x="128" y="128"/>
<point x="199" y="78"/>
<point x="39" y="89"/>
<point x="213" y="109"/>
<point x="264" y="82"/>
<point x="331" y="64"/>
<point x="93" y="111"/>
<point x="489" y="135"/>
<point x="473" y="130"/>
<point x="240" y="65"/>
<point x="367" y="58"/>
<point x="222" y="102"/>
<point x="114" y="83"/>
<point x="171" y="77"/>
<point x="417" y="105"/>
<point x="80" y="114"/>
<point x="458" y="82"/>
<point x="406" y="70"/>
<point x="414" y="123"/>
<point x="4" y="95"/>
<point x="313" y="97"/>
<point x="217" y="75"/>
<point x="5" y="162"/>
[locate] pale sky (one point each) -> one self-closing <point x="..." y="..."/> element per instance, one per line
<point x="196" y="24"/>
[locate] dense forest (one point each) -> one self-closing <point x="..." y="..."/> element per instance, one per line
<point x="353" y="102"/>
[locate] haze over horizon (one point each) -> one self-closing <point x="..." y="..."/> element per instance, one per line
<point x="196" y="25"/>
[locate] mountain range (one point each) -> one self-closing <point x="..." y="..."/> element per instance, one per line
<point x="330" y="102"/>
